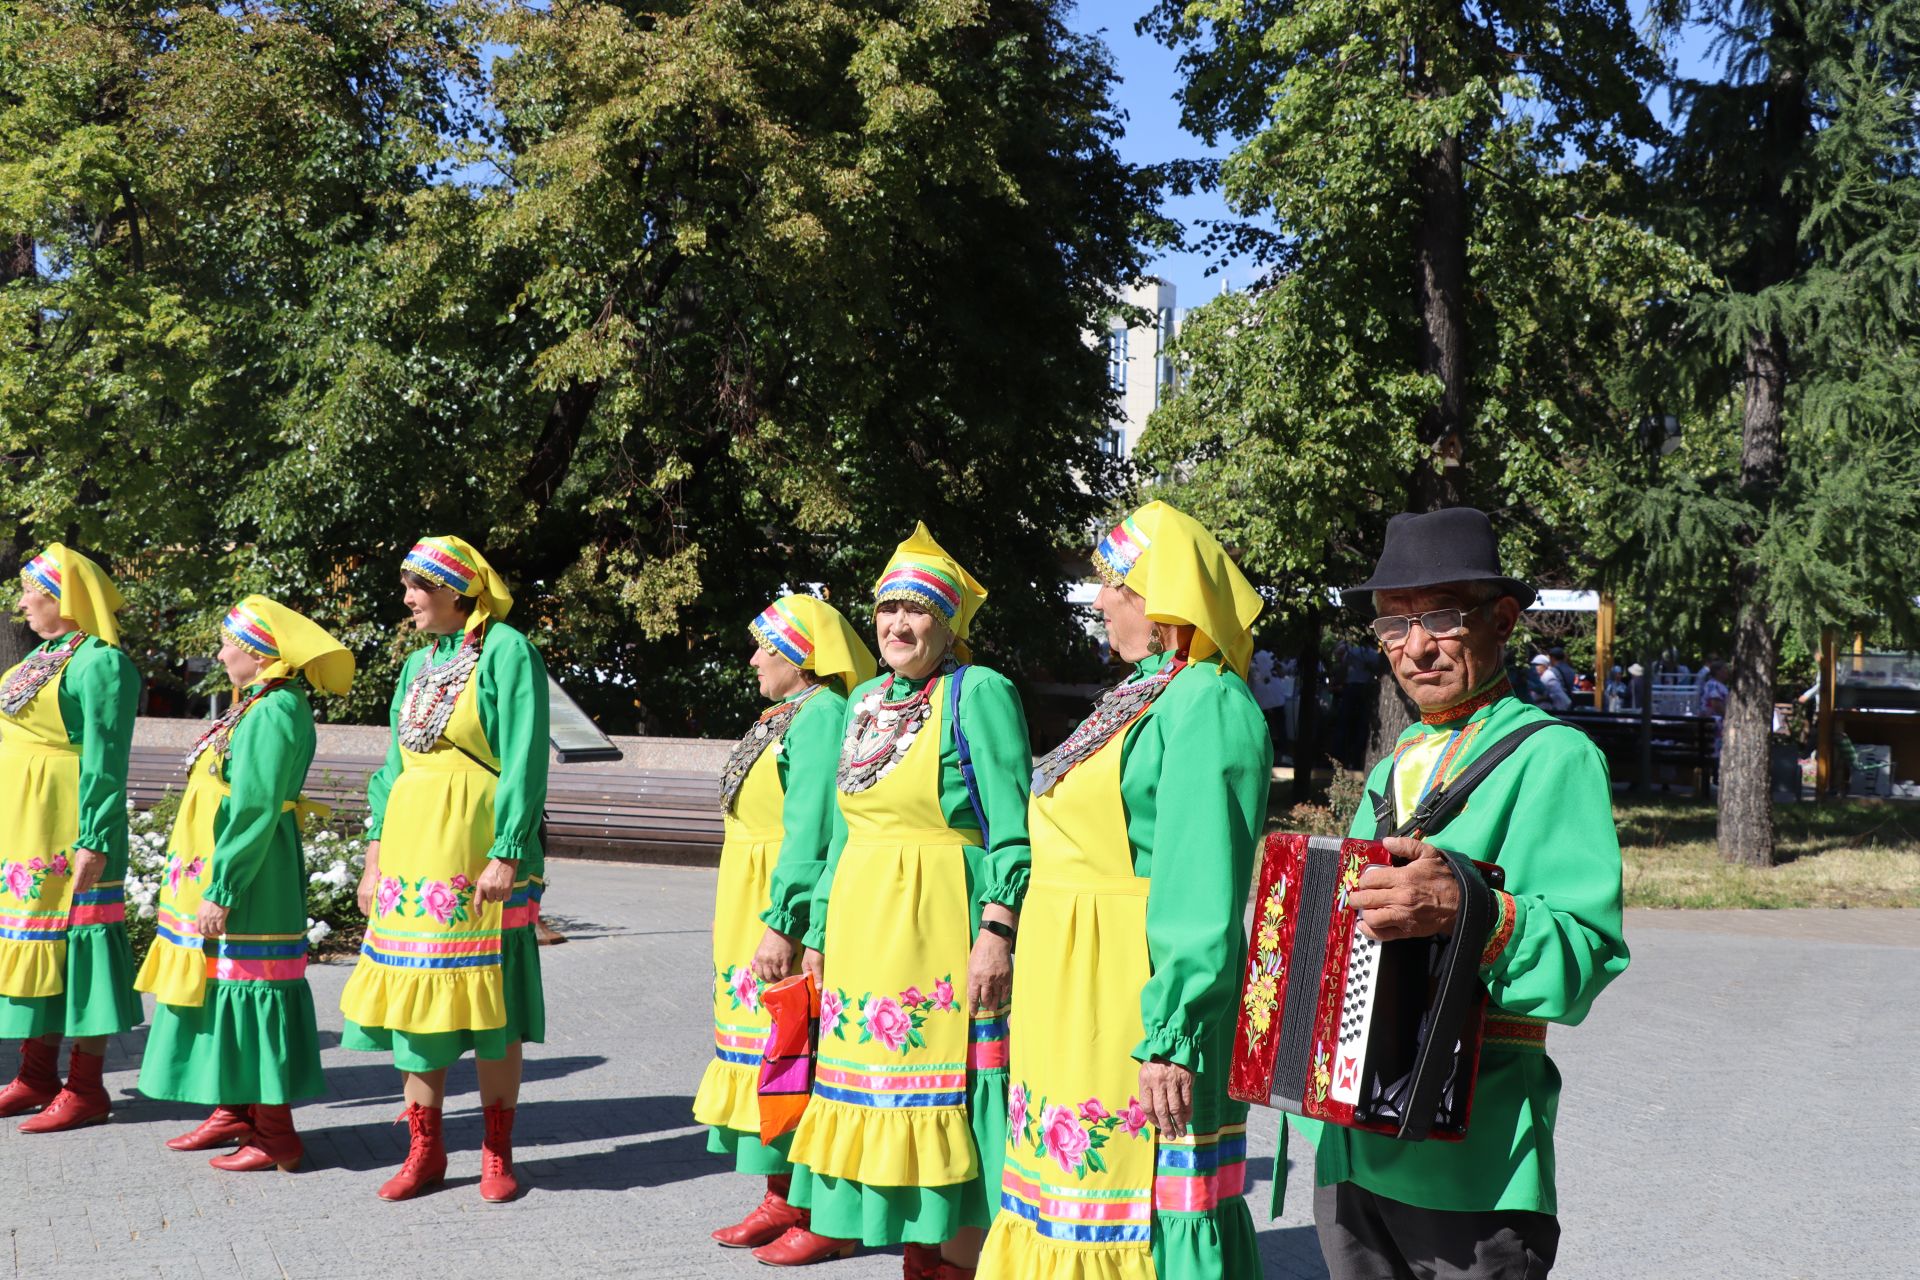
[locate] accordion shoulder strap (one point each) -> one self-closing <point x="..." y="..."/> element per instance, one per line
<point x="1442" y="803"/>
<point x="1456" y="994"/>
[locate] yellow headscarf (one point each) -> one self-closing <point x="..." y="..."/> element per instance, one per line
<point x="456" y="563"/>
<point x="922" y="572"/>
<point x="294" y="642"/>
<point x="1186" y="577"/>
<point x="811" y="634"/>
<point x="87" y="596"/>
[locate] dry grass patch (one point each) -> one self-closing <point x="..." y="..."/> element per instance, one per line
<point x="1830" y="855"/>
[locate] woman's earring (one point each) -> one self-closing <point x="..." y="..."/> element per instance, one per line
<point x="1158" y="644"/>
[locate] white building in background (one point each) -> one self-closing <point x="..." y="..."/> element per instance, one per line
<point x="1139" y="363"/>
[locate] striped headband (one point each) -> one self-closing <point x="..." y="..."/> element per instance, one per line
<point x="1119" y="551"/>
<point x="780" y="633"/>
<point x="921" y="585"/>
<point x="43" y="571"/>
<point x="250" y="631"/>
<point x="436" y="561"/>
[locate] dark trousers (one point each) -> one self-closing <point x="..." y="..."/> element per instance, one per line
<point x="1369" y="1237"/>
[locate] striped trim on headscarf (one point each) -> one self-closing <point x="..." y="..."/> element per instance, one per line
<point x="1119" y="551"/>
<point x="921" y="585"/>
<point x="43" y="571"/>
<point x="250" y="631"/>
<point x="780" y="632"/>
<point x="435" y="560"/>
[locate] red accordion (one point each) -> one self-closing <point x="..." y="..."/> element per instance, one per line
<point x="1383" y="1037"/>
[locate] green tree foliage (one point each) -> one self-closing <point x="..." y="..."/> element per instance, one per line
<point x="1307" y="412"/>
<point x="1796" y="503"/>
<point x="673" y="306"/>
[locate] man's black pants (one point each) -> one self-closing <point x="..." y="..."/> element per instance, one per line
<point x="1369" y="1237"/>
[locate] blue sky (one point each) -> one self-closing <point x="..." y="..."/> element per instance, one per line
<point x="1149" y="77"/>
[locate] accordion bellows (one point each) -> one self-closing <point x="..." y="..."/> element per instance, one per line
<point x="1333" y="1025"/>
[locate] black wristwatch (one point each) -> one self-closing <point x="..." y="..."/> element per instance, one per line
<point x="998" y="928"/>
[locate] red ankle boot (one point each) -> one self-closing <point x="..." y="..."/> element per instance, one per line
<point x="426" y="1162"/>
<point x="275" y="1144"/>
<point x="226" y="1126"/>
<point x="497" y="1182"/>
<point x="768" y="1221"/>
<point x="38" y="1081"/>
<point x="83" y="1102"/>
<point x="920" y="1261"/>
<point x="799" y="1247"/>
<point x="952" y="1271"/>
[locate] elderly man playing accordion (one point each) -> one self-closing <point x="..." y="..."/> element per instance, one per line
<point x="1482" y="1208"/>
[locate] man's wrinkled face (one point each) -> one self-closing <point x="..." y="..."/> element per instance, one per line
<point x="1438" y="672"/>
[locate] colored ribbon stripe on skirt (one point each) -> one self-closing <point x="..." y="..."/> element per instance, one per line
<point x="422" y="949"/>
<point x="1195" y="1173"/>
<point x="181" y="931"/>
<point x="865" y="1084"/>
<point x="33" y="926"/>
<point x="523" y="908"/>
<point x="1106" y="1215"/>
<point x="741" y="1046"/>
<point x="102" y="904"/>
<point x="258" y="957"/>
<point x="987" y="1042"/>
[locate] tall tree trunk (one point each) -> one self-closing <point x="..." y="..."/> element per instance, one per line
<point x="1440" y="259"/>
<point x="1746" y="793"/>
<point x="1393" y="711"/>
<point x="1306" y="735"/>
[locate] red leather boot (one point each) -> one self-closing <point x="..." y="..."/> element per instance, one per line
<point x="83" y="1102"/>
<point x="799" y="1247"/>
<point x="226" y="1126"/>
<point x="952" y="1271"/>
<point x="920" y="1261"/>
<point x="275" y="1145"/>
<point x="426" y="1163"/>
<point x="497" y="1182"/>
<point x="38" y="1081"/>
<point x="768" y="1221"/>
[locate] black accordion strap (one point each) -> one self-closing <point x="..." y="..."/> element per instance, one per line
<point x="1456" y="990"/>
<point x="1442" y="803"/>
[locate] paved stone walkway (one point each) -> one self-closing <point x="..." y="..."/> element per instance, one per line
<point x="1742" y="1103"/>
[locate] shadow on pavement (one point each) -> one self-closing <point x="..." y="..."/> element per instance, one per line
<point x="679" y="1158"/>
<point x="382" y="1144"/>
<point x="1292" y="1253"/>
<point x="374" y="1077"/>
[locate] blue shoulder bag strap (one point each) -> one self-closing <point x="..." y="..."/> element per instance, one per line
<point x="954" y="681"/>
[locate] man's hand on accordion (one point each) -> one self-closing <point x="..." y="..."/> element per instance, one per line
<point x="1417" y="900"/>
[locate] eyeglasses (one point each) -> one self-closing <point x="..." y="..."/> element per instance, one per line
<point x="1441" y="624"/>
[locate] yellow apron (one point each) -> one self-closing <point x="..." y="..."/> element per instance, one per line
<point x="729" y="1092"/>
<point x="1077" y="1189"/>
<point x="889" y="1102"/>
<point x="177" y="965"/>
<point x="40" y="805"/>
<point x="431" y="958"/>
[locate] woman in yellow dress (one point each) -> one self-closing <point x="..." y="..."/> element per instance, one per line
<point x="233" y="1020"/>
<point x="911" y="931"/>
<point x="781" y="820"/>
<point x="66" y="726"/>
<point x="450" y="962"/>
<point x="1125" y="1159"/>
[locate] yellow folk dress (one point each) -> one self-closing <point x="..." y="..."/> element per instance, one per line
<point x="65" y="963"/>
<point x="434" y="977"/>
<point x="902" y="1140"/>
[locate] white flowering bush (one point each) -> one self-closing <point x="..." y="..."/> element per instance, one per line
<point x="335" y="856"/>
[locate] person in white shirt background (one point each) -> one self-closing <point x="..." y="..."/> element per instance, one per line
<point x="1557" y="698"/>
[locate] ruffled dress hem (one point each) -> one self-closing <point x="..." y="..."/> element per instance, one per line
<point x="249" y="1042"/>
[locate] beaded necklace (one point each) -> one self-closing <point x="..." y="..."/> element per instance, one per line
<point x="32" y="674"/>
<point x="880" y="732"/>
<point x="219" y="738"/>
<point x="767" y="730"/>
<point x="1119" y="707"/>
<point x="435" y="688"/>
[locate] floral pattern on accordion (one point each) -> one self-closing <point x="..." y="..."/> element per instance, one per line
<point x="1262" y="997"/>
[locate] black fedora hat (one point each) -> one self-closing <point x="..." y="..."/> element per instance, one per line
<point x="1432" y="548"/>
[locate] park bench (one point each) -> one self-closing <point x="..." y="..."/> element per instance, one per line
<point x="592" y="811"/>
<point x="1683" y="743"/>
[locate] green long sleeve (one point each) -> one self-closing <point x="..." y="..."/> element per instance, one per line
<point x="272" y="747"/>
<point x="104" y="689"/>
<point x="514" y="716"/>
<point x="996" y="729"/>
<point x="809" y="812"/>
<point x="1194" y="779"/>
<point x="380" y="785"/>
